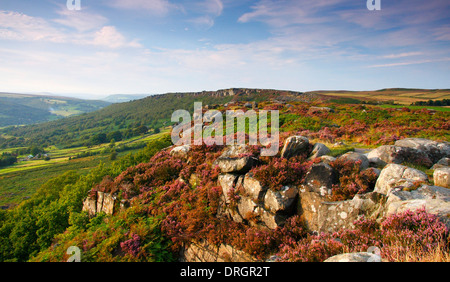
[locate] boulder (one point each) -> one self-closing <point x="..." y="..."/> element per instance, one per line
<point x="434" y="150"/>
<point x="392" y="154"/>
<point x="253" y="189"/>
<point x="354" y="157"/>
<point x="294" y="146"/>
<point x="235" y="160"/>
<point x="441" y="177"/>
<point x="227" y="182"/>
<point x="435" y="199"/>
<point x="319" y="150"/>
<point x="395" y="175"/>
<point x="323" y="216"/>
<point x="355" y="257"/>
<point x="320" y="178"/>
<point x="180" y="151"/>
<point x="444" y="162"/>
<point x="283" y="200"/>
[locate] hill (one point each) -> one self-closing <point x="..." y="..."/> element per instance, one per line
<point x="121" y="98"/>
<point x="24" y="109"/>
<point x="403" y="96"/>
<point x="131" y="118"/>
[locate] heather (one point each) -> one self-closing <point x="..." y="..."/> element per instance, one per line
<point x="163" y="202"/>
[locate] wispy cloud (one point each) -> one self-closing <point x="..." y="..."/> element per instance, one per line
<point x="154" y="7"/>
<point x="402" y="55"/>
<point x="409" y="63"/>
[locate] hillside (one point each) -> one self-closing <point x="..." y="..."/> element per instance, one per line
<point x="24" y="109"/>
<point x="162" y="204"/>
<point x="130" y="118"/>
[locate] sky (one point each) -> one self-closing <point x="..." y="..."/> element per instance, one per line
<point x="160" y="46"/>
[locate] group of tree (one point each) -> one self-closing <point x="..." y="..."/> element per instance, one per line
<point x="7" y="159"/>
<point x="440" y="103"/>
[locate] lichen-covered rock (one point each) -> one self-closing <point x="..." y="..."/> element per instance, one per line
<point x="435" y="150"/>
<point x="320" y="178"/>
<point x="294" y="145"/>
<point x="100" y="202"/>
<point x="319" y="150"/>
<point x="354" y="157"/>
<point x="283" y="200"/>
<point x="395" y="175"/>
<point x="444" y="162"/>
<point x="253" y="189"/>
<point x="441" y="177"/>
<point x="355" y="257"/>
<point x="235" y="160"/>
<point x="435" y="199"/>
<point x="395" y="154"/>
<point x="180" y="151"/>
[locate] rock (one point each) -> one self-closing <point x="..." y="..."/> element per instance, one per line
<point x="253" y="189"/>
<point x="227" y="182"/>
<point x="435" y="199"/>
<point x="101" y="202"/>
<point x="233" y="159"/>
<point x="247" y="208"/>
<point x="320" y="109"/>
<point x="355" y="257"/>
<point x="389" y="154"/>
<point x="441" y="177"/>
<point x="334" y="216"/>
<point x="272" y="220"/>
<point x="320" y="178"/>
<point x="319" y="150"/>
<point x="444" y="162"/>
<point x="294" y="146"/>
<point x="180" y="151"/>
<point x="203" y="251"/>
<point x="435" y="150"/>
<point x="327" y="159"/>
<point x="395" y="175"/>
<point x="90" y="206"/>
<point x="323" y="216"/>
<point x="275" y="201"/>
<point x="354" y="157"/>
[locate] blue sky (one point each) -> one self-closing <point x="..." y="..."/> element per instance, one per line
<point x="160" y="46"/>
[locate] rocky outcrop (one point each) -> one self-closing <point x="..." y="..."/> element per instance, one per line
<point x="395" y="154"/>
<point x="246" y="200"/>
<point x="294" y="146"/>
<point x="100" y="202"/>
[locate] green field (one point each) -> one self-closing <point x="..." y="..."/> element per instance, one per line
<point x="20" y="181"/>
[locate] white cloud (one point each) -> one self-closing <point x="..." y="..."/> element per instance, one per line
<point x="80" y="20"/>
<point x="21" y="27"/>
